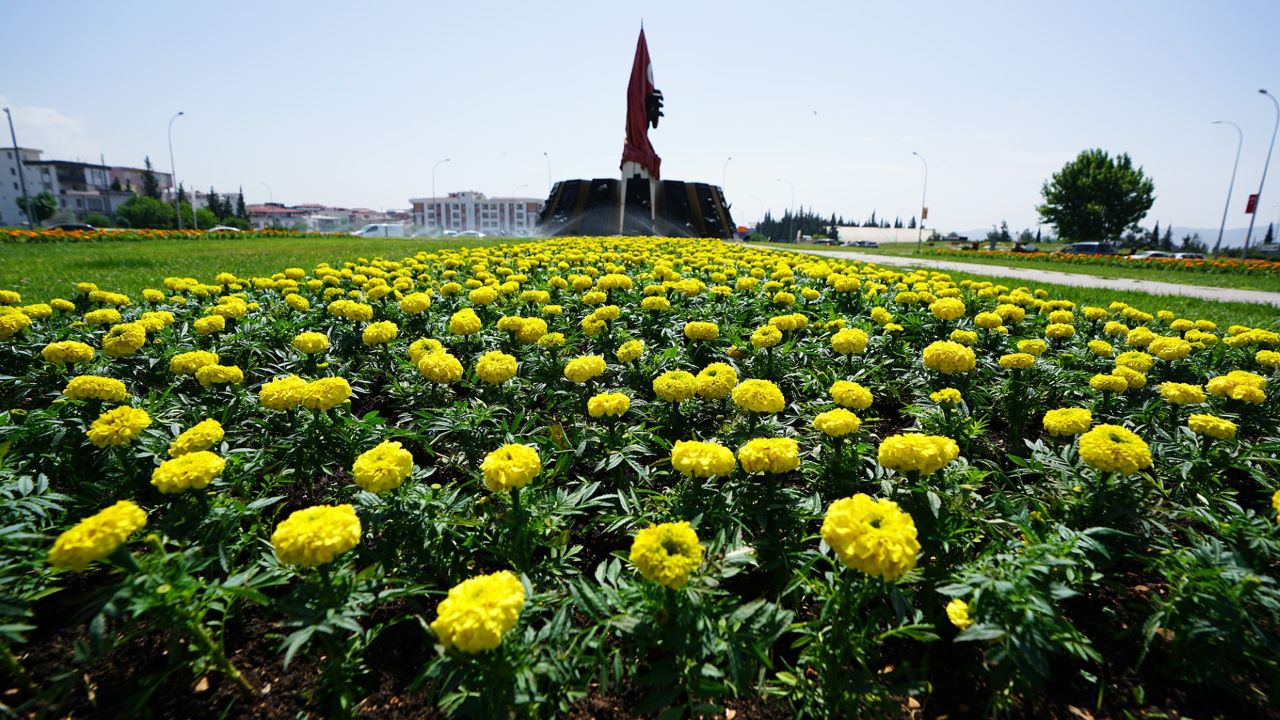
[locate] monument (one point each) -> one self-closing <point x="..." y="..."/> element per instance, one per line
<point x="640" y="202"/>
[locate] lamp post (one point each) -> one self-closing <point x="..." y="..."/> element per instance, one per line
<point x="1253" y="215"/>
<point x="435" y="215"/>
<point x="723" y="170"/>
<point x="549" y="183"/>
<point x="173" y="171"/>
<point x="924" y="207"/>
<point x="270" y="194"/>
<point x="22" y="179"/>
<point x="791" y="213"/>
<point x="1232" y="184"/>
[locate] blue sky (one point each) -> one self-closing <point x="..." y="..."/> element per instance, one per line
<point x="353" y="103"/>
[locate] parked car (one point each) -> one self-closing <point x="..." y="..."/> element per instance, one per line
<point x="1189" y="256"/>
<point x="472" y="233"/>
<point x="1150" y="254"/>
<point x="381" y="230"/>
<point x="74" y="227"/>
<point x="1028" y="248"/>
<point x="222" y="228"/>
<point x="862" y="243"/>
<point x="1087" y="248"/>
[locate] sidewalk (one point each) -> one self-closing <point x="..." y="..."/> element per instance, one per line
<point x="1029" y="275"/>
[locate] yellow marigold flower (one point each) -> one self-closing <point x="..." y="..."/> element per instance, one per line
<point x="297" y="302"/>
<point x="872" y="536"/>
<point x="1112" y="448"/>
<point x="1059" y="331"/>
<point x="702" y="459"/>
<point x="156" y="320"/>
<point x="1169" y="348"/>
<point x="496" y="367"/>
<point x="958" y="610"/>
<point x="914" y="452"/>
<point x="94" y="387"/>
<point x="701" y="330"/>
<point x="219" y="375"/>
<point x="947" y="309"/>
<point x="326" y="393"/>
<point x="1133" y="379"/>
<point x="1212" y="426"/>
<point x="759" y="396"/>
<point x="1239" y="385"/>
<point x="479" y="611"/>
<point x="988" y="320"/>
<point x="1067" y="421"/>
<point x="766" y="336"/>
<point x="837" y="423"/>
<point x="201" y="436"/>
<point x="1275" y="504"/>
<point x="1140" y="337"/>
<point x="440" y="367"/>
<point x="67" y="351"/>
<point x="382" y="468"/>
<point x="947" y="395"/>
<point x="582" y="369"/>
<point x="62" y="306"/>
<point x="630" y="350"/>
<point x="948" y="357"/>
<point x="667" y="553"/>
<point x="675" y="386"/>
<point x="771" y="455"/>
<point x="118" y="426"/>
<point x="465" y="322"/>
<point x="608" y="404"/>
<point x="551" y="340"/>
<point x="1032" y="347"/>
<point x="968" y="338"/>
<point x="10" y="297"/>
<point x="316" y="535"/>
<point x="715" y="381"/>
<point x="102" y="316"/>
<point x="210" y="325"/>
<point x="311" y="342"/>
<point x="1134" y="360"/>
<point x="849" y="341"/>
<point x="415" y="303"/>
<point x="189" y="362"/>
<point x="880" y="316"/>
<point x="510" y="467"/>
<point x="531" y="330"/>
<point x="851" y="395"/>
<point x="1017" y="361"/>
<point x="124" y="339"/>
<point x="420" y="347"/>
<point x="1101" y="348"/>
<point x="282" y="394"/>
<point x="482" y="295"/>
<point x="1267" y="359"/>
<point x="97" y="536"/>
<point x="194" y="470"/>
<point x="655" y="303"/>
<point x="379" y="333"/>
<point x="1181" y="393"/>
<point x="1108" y="383"/>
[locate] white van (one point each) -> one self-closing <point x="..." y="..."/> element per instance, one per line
<point x="381" y="230"/>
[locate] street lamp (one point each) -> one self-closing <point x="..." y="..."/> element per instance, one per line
<point x="924" y="207"/>
<point x="435" y="214"/>
<point x="1232" y="184"/>
<point x="270" y="194"/>
<point x="724" y="170"/>
<point x="173" y="171"/>
<point x="791" y="213"/>
<point x="549" y="183"/>
<point x="22" y="179"/>
<point x="1253" y="215"/>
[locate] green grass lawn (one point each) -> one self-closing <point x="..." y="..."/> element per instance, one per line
<point x="1243" y="282"/>
<point x="41" y="271"/>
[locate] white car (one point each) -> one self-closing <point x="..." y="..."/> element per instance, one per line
<point x="1188" y="256"/>
<point x="222" y="228"/>
<point x="381" y="230"/>
<point x="1150" y="254"/>
<point x="472" y="233"/>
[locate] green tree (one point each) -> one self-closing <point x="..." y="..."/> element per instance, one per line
<point x="150" y="185"/>
<point x="143" y="211"/>
<point x="214" y="203"/>
<point x="182" y="197"/>
<point x="241" y="212"/>
<point x="1271" y="234"/>
<point x="1096" y="197"/>
<point x="39" y="207"/>
<point x="97" y="220"/>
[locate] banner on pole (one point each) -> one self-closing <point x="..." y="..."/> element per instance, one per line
<point x="1252" y="206"/>
<point x="924" y="214"/>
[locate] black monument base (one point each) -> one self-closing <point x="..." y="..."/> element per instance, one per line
<point x="669" y="208"/>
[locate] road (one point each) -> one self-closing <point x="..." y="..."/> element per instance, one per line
<point x="1030" y="275"/>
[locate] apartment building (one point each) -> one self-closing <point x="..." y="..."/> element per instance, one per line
<point x="79" y="187"/>
<point x="470" y="210"/>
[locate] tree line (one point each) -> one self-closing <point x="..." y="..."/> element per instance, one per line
<point x="807" y="222"/>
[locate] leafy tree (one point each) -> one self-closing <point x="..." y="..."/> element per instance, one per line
<point x="182" y="197"/>
<point x="205" y="219"/>
<point x="1155" y="234"/>
<point x="999" y="235"/>
<point x="912" y="225"/>
<point x="1271" y="234"/>
<point x="1096" y="197"/>
<point x="150" y="185"/>
<point x="1193" y="243"/>
<point x="241" y="212"/>
<point x="97" y="220"/>
<point x="214" y="204"/>
<point x="1166" y="242"/>
<point x="38" y="208"/>
<point x="144" y="211"/>
<point x="235" y="222"/>
<point x="115" y="185"/>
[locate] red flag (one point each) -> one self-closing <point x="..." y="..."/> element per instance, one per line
<point x="1252" y="206"/>
<point x="637" y="147"/>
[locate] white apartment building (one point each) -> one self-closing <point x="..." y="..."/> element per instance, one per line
<point x="11" y="187"/>
<point x="470" y="210"/>
<point x="78" y="187"/>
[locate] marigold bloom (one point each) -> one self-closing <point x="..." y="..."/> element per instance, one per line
<point x="608" y="404"/>
<point x="415" y="303"/>
<point x="316" y="535"/>
<point x="675" y="386"/>
<point x="958" y="613"/>
<point x="67" y="351"/>
<point x="766" y="336"/>
<point x="379" y="333"/>
<point x="947" y="309"/>
<point x="1267" y="359"/>
<point x="219" y="375"/>
<point x="1032" y="347"/>
<point x="479" y="611"/>
<point x="947" y="395"/>
<point x="1169" y="348"/>
<point x="851" y="395"/>
<point x="1112" y="448"/>
<point x="1067" y="421"/>
<point x="837" y="423"/>
<point x="914" y="452"/>
<point x="282" y="394"/>
<point x="311" y="342"/>
<point x="582" y="369"/>
<point x="1211" y="426"/>
<point x="118" y="426"/>
<point x="1108" y="383"/>
<point x="770" y="455"/>
<point x="698" y="330"/>
<point x="1239" y="385"/>
<point x="510" y="467"/>
<point x="496" y="367"/>
<point x="1275" y="504"/>
<point x="1101" y="348"/>
<point x="1181" y="393"/>
<point x="1017" y="361"/>
<point x="189" y="362"/>
<point x="210" y="324"/>
<point x="102" y="316"/>
<point x="94" y="387"/>
<point x="630" y="350"/>
<point x="124" y="339"/>
<point x="1059" y="331"/>
<point x="702" y="459"/>
<point x="201" y="436"/>
<point x="193" y="470"/>
<point x="1134" y="360"/>
<point x="759" y="396"/>
<point x="420" y="347"/>
<point x="97" y="536"/>
<point x="1133" y="379"/>
<point x="849" y="341"/>
<point x="872" y="536"/>
<point x="667" y="554"/>
<point x="326" y="393"/>
<point x="465" y="322"/>
<point x="382" y="468"/>
<point x="948" y="357"/>
<point x="968" y="338"/>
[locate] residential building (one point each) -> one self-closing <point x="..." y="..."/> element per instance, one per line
<point x="470" y="210"/>
<point x="79" y="187"/>
<point x="11" y="185"/>
<point x="129" y="179"/>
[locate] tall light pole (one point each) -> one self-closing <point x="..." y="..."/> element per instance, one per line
<point x="1253" y="215"/>
<point x="1239" y="144"/>
<point x="924" y="206"/>
<point x="550" y="184"/>
<point x="791" y="214"/>
<point x="22" y="179"/>
<point x="435" y="215"/>
<point x="270" y="194"/>
<point x="723" y="171"/>
<point x="173" y="171"/>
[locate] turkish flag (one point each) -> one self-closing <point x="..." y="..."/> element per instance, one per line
<point x="1252" y="206"/>
<point x="637" y="147"/>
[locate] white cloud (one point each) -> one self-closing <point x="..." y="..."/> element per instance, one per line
<point x="59" y="136"/>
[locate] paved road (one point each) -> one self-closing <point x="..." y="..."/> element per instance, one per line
<point x="1030" y="275"/>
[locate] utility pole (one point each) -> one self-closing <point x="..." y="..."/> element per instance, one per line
<point x="22" y="179"/>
